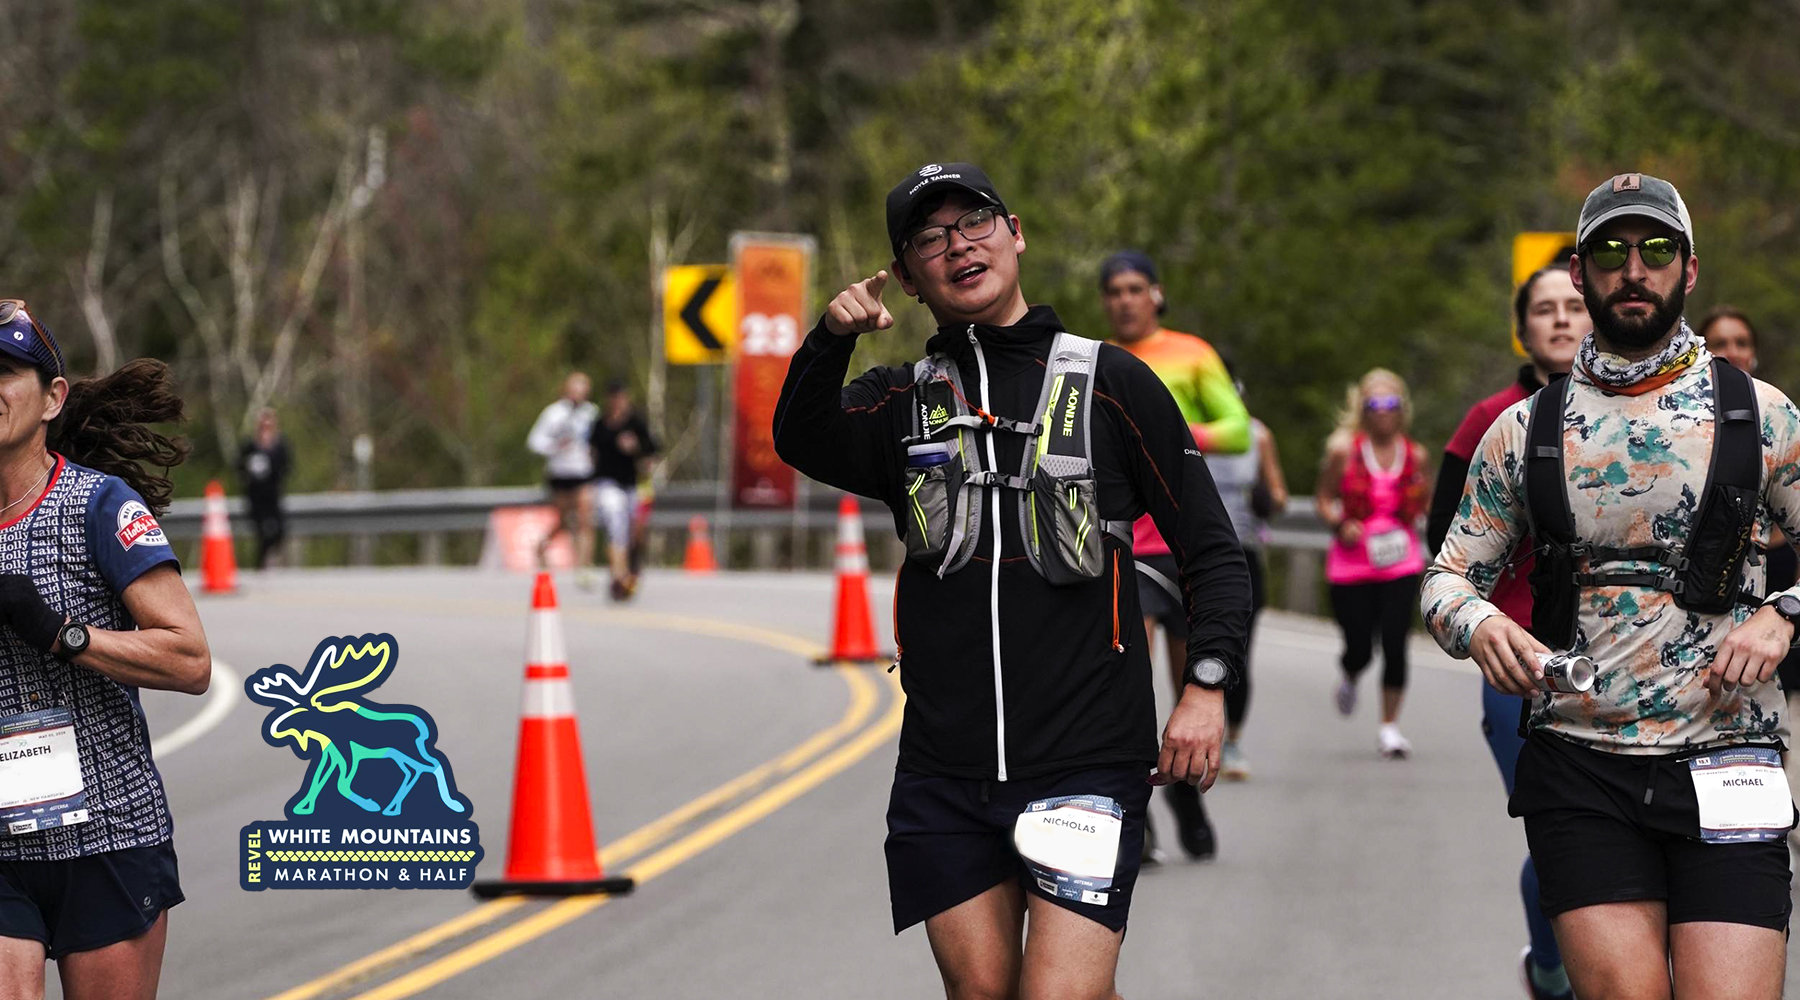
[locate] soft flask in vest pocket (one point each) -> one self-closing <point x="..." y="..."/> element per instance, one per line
<point x="934" y="481"/>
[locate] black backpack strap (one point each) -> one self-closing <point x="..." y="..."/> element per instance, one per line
<point x="1547" y="510"/>
<point x="1737" y="439"/>
<point x="1737" y="433"/>
<point x="1733" y="479"/>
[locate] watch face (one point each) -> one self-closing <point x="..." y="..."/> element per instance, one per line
<point x="1788" y="606"/>
<point x="75" y="637"/>
<point x="1209" y="672"/>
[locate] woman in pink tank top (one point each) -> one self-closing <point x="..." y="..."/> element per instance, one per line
<point x="1372" y="491"/>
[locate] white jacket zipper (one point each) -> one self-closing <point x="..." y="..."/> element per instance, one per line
<point x="993" y="464"/>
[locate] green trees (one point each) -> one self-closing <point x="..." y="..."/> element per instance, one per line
<point x="406" y="219"/>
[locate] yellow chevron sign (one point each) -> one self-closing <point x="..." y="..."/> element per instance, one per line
<point x="700" y="310"/>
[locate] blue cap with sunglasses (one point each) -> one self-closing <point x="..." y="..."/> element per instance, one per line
<point x="24" y="338"/>
<point x="1634" y="195"/>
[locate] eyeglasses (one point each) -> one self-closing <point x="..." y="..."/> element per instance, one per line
<point x="11" y="308"/>
<point x="1609" y="255"/>
<point x="977" y="224"/>
<point x="1383" y="403"/>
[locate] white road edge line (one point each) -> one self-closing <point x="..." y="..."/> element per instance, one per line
<point x="220" y="697"/>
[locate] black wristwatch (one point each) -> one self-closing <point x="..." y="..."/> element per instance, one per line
<point x="74" y="636"/>
<point x="1208" y="673"/>
<point x="1788" y="606"/>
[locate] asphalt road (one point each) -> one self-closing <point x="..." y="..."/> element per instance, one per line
<point x="746" y="788"/>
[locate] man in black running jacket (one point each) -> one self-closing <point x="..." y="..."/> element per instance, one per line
<point x="1020" y="692"/>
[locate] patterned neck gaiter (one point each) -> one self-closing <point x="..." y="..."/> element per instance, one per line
<point x="1617" y="374"/>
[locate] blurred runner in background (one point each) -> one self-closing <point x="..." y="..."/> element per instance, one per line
<point x="623" y="454"/>
<point x="263" y="467"/>
<point x="1372" y="491"/>
<point x="561" y="436"/>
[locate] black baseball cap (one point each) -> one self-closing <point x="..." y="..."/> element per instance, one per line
<point x="1634" y="194"/>
<point x="932" y="179"/>
<point x="24" y="338"/>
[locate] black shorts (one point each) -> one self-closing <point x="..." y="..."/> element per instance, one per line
<point x="565" y="484"/>
<point x="89" y="902"/>
<point x="951" y="839"/>
<point x="1595" y="839"/>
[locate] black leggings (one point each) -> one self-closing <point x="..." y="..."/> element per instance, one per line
<point x="1361" y="608"/>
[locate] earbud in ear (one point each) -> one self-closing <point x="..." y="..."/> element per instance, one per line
<point x="1156" y="297"/>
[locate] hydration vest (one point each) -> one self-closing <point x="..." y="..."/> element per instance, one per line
<point x="1705" y="575"/>
<point x="947" y="475"/>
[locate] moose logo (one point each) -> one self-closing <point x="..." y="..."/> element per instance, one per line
<point x="350" y="818"/>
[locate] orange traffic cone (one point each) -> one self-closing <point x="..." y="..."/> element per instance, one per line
<point x="218" y="562"/>
<point x="550" y="851"/>
<point x="853" y="637"/>
<point x="699" y="558"/>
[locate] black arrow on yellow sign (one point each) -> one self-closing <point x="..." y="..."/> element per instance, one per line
<point x="690" y="314"/>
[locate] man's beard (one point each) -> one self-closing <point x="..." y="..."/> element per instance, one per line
<point x="1633" y="332"/>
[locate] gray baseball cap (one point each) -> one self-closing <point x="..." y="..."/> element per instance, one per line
<point x="1634" y="194"/>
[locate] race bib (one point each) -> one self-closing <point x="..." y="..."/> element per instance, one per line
<point x="1071" y="845"/>
<point x="40" y="772"/>
<point x="1743" y="795"/>
<point x="1389" y="548"/>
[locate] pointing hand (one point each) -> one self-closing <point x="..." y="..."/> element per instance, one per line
<point x="858" y="309"/>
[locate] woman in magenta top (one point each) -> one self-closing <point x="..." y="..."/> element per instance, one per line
<point x="1371" y="493"/>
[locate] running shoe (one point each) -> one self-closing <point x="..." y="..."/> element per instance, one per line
<point x="1531" y="988"/>
<point x="584" y="578"/>
<point x="1393" y="745"/>
<point x="1346" y="696"/>
<point x="1233" y="765"/>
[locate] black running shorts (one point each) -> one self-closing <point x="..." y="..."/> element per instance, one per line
<point x="951" y="839"/>
<point x="88" y="902"/>
<point x="1613" y="828"/>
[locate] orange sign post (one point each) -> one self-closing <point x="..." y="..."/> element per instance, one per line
<point x="774" y="272"/>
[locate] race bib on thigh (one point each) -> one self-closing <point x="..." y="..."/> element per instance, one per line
<point x="1071" y="845"/>
<point x="1388" y="548"/>
<point x="40" y="772"/>
<point x="1743" y="795"/>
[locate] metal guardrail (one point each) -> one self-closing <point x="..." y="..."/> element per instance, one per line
<point x="759" y="539"/>
<point x="383" y="512"/>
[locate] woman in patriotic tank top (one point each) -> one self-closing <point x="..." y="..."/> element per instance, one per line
<point x="92" y="608"/>
<point x="1372" y="490"/>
